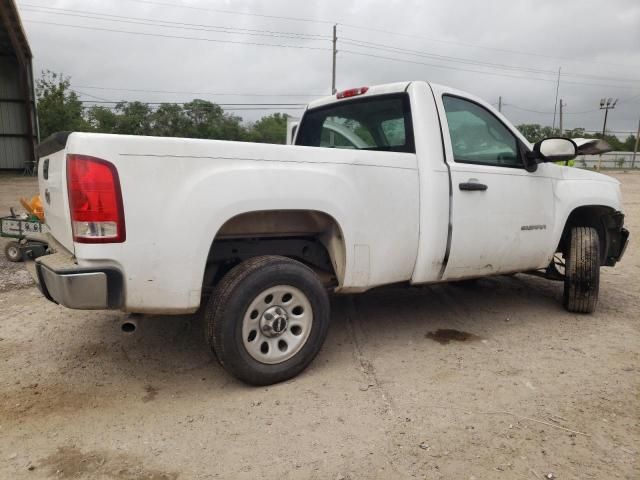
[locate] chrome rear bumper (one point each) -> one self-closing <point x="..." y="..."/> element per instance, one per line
<point x="63" y="282"/>
<point x="84" y="291"/>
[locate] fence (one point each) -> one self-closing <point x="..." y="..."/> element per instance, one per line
<point x="612" y="160"/>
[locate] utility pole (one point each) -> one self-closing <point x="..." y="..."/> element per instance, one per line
<point x="561" y="112"/>
<point x="606" y="104"/>
<point x="500" y="104"/>
<point x="555" y="103"/>
<point x="635" y="149"/>
<point x="333" y="70"/>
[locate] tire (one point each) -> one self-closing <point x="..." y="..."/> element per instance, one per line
<point x="582" y="271"/>
<point x="13" y="252"/>
<point x="267" y="300"/>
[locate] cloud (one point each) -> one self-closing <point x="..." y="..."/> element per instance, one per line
<point x="594" y="43"/>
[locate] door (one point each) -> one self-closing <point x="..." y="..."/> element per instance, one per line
<point x="501" y="215"/>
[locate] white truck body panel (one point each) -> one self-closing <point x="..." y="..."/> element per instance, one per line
<point x="168" y="240"/>
<point x="54" y="188"/>
<point x="488" y="237"/>
<point x="401" y="215"/>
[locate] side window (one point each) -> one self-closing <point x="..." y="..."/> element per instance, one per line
<point x="477" y="136"/>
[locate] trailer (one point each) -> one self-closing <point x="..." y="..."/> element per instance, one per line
<point x="24" y="232"/>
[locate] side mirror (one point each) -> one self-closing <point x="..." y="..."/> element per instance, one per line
<point x="555" y="149"/>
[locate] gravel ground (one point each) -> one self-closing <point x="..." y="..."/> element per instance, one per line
<point x="493" y="380"/>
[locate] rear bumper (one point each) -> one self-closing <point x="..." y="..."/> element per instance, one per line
<point x="63" y="282"/>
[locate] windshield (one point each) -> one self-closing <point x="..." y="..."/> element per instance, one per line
<point x="375" y="123"/>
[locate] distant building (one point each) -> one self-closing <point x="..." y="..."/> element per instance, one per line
<point x="18" y="119"/>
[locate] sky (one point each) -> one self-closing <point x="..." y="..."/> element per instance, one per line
<point x="254" y="52"/>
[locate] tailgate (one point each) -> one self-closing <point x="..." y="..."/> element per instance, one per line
<point x="52" y="180"/>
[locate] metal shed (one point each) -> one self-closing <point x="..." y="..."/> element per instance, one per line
<point x="18" y="119"/>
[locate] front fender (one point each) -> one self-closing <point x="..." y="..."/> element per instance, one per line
<point x="602" y="196"/>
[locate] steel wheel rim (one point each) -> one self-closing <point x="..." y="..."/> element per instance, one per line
<point x="13" y="252"/>
<point x="277" y="324"/>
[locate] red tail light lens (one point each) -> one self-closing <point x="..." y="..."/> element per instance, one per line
<point x="95" y="200"/>
<point x="352" y="92"/>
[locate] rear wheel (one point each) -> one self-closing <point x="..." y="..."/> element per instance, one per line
<point x="267" y="319"/>
<point x="13" y="252"/>
<point x="582" y="270"/>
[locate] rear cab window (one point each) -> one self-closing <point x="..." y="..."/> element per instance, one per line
<point x="381" y="123"/>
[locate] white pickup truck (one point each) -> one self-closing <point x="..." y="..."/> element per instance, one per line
<point x="410" y="183"/>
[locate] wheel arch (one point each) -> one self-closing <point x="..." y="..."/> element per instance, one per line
<point x="264" y="231"/>
<point x="595" y="216"/>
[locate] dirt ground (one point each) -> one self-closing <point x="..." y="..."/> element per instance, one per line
<point x="528" y="391"/>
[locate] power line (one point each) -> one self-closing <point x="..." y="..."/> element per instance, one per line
<point x="471" y="45"/>
<point x="296" y="36"/>
<point x="139" y="90"/>
<point x="393" y="49"/>
<point x="545" y="113"/>
<point x="172" y="24"/>
<point x="371" y="29"/>
<point x="115" y="102"/>
<point x="630" y="99"/>
<point x="289" y="35"/>
<point x="202" y="107"/>
<point x="117" y="105"/>
<point x="449" y="58"/>
<point x="346" y="51"/>
<point x="236" y="42"/>
<point x="230" y="12"/>
<point x="89" y="95"/>
<point x="448" y="67"/>
<point x="480" y="71"/>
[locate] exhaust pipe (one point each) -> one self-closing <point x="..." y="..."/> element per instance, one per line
<point x="130" y="325"/>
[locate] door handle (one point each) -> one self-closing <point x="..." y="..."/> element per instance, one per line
<point x="473" y="186"/>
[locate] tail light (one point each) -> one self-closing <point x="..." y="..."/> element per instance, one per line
<point x="95" y="200"/>
<point x="352" y="92"/>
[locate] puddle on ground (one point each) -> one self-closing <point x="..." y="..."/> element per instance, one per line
<point x="446" y="335"/>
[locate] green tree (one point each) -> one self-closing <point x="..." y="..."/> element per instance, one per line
<point x="60" y="109"/>
<point x="58" y="106"/>
<point x="576" y="133"/>
<point x="535" y="132"/>
<point x="612" y="140"/>
<point x="269" y="129"/>
<point x="133" y="118"/>
<point x="629" y="143"/>
<point x="208" y="120"/>
<point x="169" y="120"/>
<point x="102" y="119"/>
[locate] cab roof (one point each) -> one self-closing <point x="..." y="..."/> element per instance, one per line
<point x="385" y="88"/>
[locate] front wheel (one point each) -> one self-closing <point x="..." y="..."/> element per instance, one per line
<point x="13" y="252"/>
<point x="582" y="270"/>
<point x="267" y="319"/>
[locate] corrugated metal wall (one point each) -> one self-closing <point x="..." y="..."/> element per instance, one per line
<point x="14" y="131"/>
<point x="14" y="151"/>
